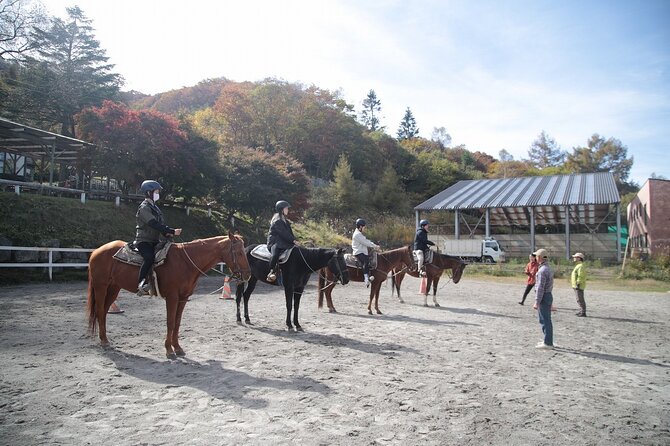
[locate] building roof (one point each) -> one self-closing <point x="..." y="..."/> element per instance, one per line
<point x="589" y="196"/>
<point x="36" y="144"/>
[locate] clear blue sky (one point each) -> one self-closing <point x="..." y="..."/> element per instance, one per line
<point x="493" y="73"/>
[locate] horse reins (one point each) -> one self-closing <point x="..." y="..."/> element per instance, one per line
<point x="339" y="270"/>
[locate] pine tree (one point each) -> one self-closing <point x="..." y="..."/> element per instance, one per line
<point x="70" y="73"/>
<point x="544" y="152"/>
<point x="371" y="110"/>
<point x="389" y="194"/>
<point x="343" y="188"/>
<point x="408" y="128"/>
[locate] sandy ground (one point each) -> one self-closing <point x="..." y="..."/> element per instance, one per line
<point x="464" y="373"/>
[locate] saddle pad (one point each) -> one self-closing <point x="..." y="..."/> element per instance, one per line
<point x="261" y="252"/>
<point x="129" y="255"/>
<point x="352" y="261"/>
<point x="427" y="256"/>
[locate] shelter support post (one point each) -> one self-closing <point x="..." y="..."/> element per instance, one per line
<point x="488" y="222"/>
<point x="457" y="229"/>
<point x="618" y="232"/>
<point x="17" y="190"/>
<point x="417" y="216"/>
<point x="532" y="230"/>
<point x="567" y="232"/>
<point x="52" y="162"/>
<point x="83" y="198"/>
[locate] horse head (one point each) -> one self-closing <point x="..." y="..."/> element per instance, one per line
<point x="338" y="267"/>
<point x="457" y="271"/>
<point x="235" y="257"/>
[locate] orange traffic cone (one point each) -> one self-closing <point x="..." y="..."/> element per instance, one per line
<point x="225" y="292"/>
<point x="424" y="284"/>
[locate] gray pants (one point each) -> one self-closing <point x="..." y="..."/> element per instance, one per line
<point x="579" y="294"/>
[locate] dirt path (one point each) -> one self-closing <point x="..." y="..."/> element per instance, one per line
<point x="464" y="373"/>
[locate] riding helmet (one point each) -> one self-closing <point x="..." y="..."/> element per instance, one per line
<point x="149" y="185"/>
<point x="281" y="204"/>
<point x="423" y="223"/>
<point x="360" y="222"/>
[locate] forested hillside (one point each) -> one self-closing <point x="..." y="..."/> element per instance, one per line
<point x="241" y="146"/>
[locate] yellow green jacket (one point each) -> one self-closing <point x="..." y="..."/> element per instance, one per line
<point x="578" y="278"/>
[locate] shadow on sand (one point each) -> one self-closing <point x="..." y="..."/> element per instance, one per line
<point x="210" y="377"/>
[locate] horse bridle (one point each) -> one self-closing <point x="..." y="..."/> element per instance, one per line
<point x="236" y="275"/>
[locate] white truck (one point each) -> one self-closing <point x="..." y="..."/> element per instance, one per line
<point x="475" y="250"/>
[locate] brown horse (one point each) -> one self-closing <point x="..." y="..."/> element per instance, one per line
<point x="433" y="273"/>
<point x="386" y="261"/>
<point x="177" y="278"/>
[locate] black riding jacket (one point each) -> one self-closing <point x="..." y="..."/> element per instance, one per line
<point x="421" y="241"/>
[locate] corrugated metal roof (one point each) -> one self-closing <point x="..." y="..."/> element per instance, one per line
<point x="557" y="190"/>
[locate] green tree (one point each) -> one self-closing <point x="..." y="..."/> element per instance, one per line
<point x="70" y="73"/>
<point x="371" y="111"/>
<point x="251" y="181"/>
<point x="389" y="196"/>
<point x="408" y="128"/>
<point x="344" y="189"/>
<point x="602" y="155"/>
<point x="544" y="152"/>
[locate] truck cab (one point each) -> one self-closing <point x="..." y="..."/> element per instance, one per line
<point x="492" y="252"/>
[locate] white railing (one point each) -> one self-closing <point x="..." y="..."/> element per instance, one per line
<point x="50" y="264"/>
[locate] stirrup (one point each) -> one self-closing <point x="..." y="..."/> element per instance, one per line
<point x="271" y="277"/>
<point x="143" y="289"/>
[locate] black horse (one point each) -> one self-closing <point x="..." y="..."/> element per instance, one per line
<point x="295" y="273"/>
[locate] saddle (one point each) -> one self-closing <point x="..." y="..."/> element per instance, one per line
<point x="261" y="252"/>
<point x="130" y="255"/>
<point x="352" y="261"/>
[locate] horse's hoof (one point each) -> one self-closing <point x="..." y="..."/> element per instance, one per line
<point x="401" y="301"/>
<point x="180" y="352"/>
<point x="104" y="344"/>
<point x="437" y="305"/>
<point x="171" y="355"/>
<point x="289" y="328"/>
<point x="332" y="310"/>
<point x="248" y="322"/>
<point x="369" y="311"/>
<point x="298" y="328"/>
<point x="425" y="305"/>
<point x="379" y="312"/>
<point x="239" y="322"/>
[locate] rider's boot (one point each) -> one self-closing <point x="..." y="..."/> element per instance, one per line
<point x="143" y="289"/>
<point x="271" y="276"/>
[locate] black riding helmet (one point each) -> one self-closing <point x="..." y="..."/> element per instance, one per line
<point x="360" y="222"/>
<point x="150" y="185"/>
<point x="423" y="223"/>
<point x="281" y="204"/>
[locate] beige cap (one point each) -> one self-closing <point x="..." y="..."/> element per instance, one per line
<point x="578" y="254"/>
<point x="541" y="253"/>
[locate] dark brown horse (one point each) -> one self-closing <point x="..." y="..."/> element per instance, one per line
<point x="386" y="261"/>
<point x="177" y="278"/>
<point x="433" y="273"/>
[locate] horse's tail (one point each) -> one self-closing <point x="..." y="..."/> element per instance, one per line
<point x="322" y="284"/>
<point x="90" y="305"/>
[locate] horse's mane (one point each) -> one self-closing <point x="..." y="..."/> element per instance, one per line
<point x="311" y="254"/>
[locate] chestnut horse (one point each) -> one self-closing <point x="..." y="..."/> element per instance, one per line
<point x="433" y="273"/>
<point x="177" y="277"/>
<point x="386" y="261"/>
<point x="295" y="274"/>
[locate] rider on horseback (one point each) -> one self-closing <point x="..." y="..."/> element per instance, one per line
<point x="421" y="245"/>
<point x="360" y="245"/>
<point x="280" y="237"/>
<point x="149" y="227"/>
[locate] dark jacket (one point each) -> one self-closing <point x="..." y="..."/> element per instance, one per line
<point x="150" y="223"/>
<point x="421" y="241"/>
<point x="280" y="233"/>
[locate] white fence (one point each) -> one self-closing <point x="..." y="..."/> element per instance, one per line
<point x="51" y="264"/>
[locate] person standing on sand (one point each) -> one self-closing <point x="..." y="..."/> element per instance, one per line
<point x="544" y="285"/>
<point x="530" y="270"/>
<point x="578" y="280"/>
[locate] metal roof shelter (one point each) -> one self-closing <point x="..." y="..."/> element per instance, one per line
<point x="530" y="201"/>
<point x="39" y="144"/>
